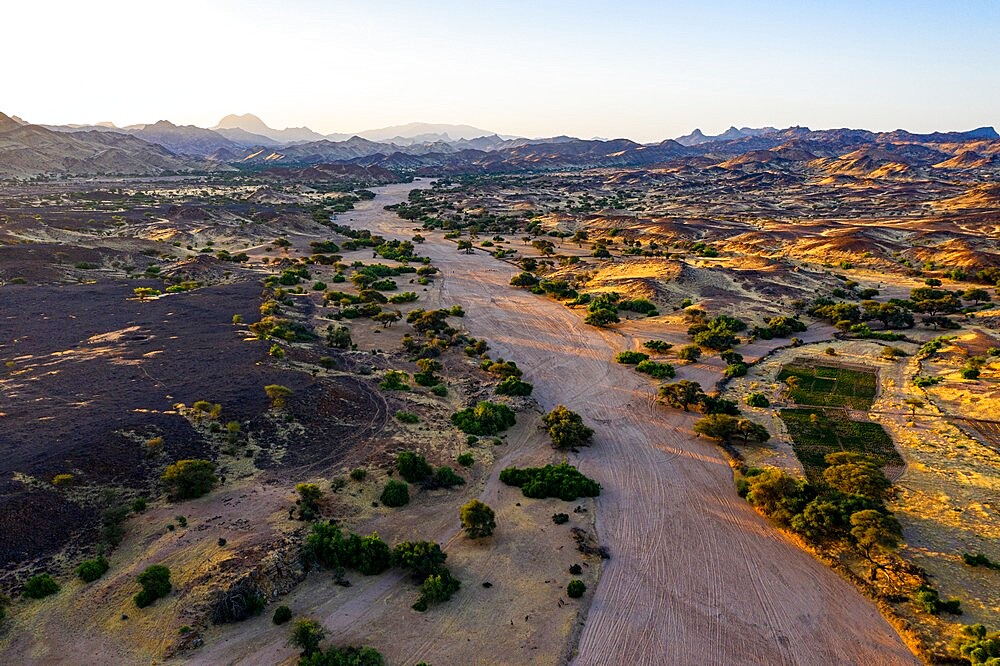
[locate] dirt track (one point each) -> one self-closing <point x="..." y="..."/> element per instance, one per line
<point x="696" y="576"/>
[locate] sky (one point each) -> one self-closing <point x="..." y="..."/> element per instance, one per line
<point x="646" y="70"/>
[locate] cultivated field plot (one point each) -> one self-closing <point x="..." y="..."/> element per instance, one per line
<point x="816" y="433"/>
<point x="830" y="386"/>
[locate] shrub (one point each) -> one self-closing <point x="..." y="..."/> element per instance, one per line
<point x="40" y="586"/>
<point x="465" y="459"/>
<point x="979" y="646"/>
<point x="736" y="370"/>
<point x="91" y="570"/>
<point x="187" y="479"/>
<point x="656" y="369"/>
<point x="407" y="417"/>
<point x="576" y="588"/>
<point x="359" y="473"/>
<point x="758" y="400"/>
<point x="478" y="519"/>
<point x="421" y="558"/>
<point x="514" y="386"/>
<point x="657" y="345"/>
<point x="395" y="494"/>
<point x="563" y="481"/>
<point x="331" y="548"/>
<point x="689" y="353"/>
<point x="436" y="588"/>
<point x="307" y="635"/>
<point x="412" y="466"/>
<point x="486" y="418"/>
<point x="980" y="560"/>
<point x="566" y="428"/>
<point x="445" y="477"/>
<point x="278" y="395"/>
<point x="155" y="583"/>
<point x="631" y="357"/>
<point x="440" y="390"/>
<point x="309" y="494"/>
<point x="560" y="518"/>
<point x="344" y="656"/>
<point x="395" y="380"/>
<point x="929" y="599"/>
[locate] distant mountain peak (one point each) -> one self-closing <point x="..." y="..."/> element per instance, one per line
<point x="7" y="123"/>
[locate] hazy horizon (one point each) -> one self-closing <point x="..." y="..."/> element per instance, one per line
<point x="640" y="70"/>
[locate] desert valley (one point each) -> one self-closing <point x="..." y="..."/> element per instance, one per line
<point x="432" y="395"/>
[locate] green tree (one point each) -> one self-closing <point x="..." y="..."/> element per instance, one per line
<point x="412" y="466"/>
<point x="875" y="534"/>
<point x="309" y="494"/>
<point x="187" y="479"/>
<point x="566" y="428"/>
<point x="155" y="584"/>
<point x="682" y="394"/>
<point x="478" y="519"/>
<point x="39" y="586"/>
<point x="576" y="588"/>
<point x="395" y="494"/>
<point x="307" y="635"/>
<point x="91" y="570"/>
<point x="717" y="426"/>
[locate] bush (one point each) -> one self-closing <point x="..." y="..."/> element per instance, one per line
<point x="307" y="635"/>
<point x="155" y="583"/>
<point x="395" y="380"/>
<point x="486" y="418"/>
<point x="404" y="416"/>
<point x="563" y="481"/>
<point x="331" y="548"/>
<point x="344" y="656"/>
<point x="560" y="518"/>
<point x="445" y="477"/>
<point x="40" y="586"/>
<point x="630" y="357"/>
<point x="928" y="599"/>
<point x="758" y="400"/>
<point x="395" y="494"/>
<point x="689" y="353"/>
<point x="657" y="345"/>
<point x="91" y="570"/>
<point x="465" y="459"/>
<point x="187" y="479"/>
<point x="514" y="386"/>
<point x="359" y="473"/>
<point x="440" y="390"/>
<point x="576" y="588"/>
<point x="420" y="558"/>
<point x="566" y="428"/>
<point x="413" y="467"/>
<point x="656" y="370"/>
<point x="436" y="588"/>
<point x="478" y="519"/>
<point x="735" y="370"/>
<point x="282" y="614"/>
<point x="979" y="646"/>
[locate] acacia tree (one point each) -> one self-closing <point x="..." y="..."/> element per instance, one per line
<point x="914" y="404"/>
<point x="682" y="394"/>
<point x="278" y="395"/>
<point x="566" y="428"/>
<point x="875" y="535"/>
<point x="478" y="519"/>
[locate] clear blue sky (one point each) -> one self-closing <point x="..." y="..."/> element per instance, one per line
<point x="645" y="70"/>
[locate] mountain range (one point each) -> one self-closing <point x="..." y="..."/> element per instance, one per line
<point x="247" y="143"/>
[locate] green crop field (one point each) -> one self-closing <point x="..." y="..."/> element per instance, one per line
<point x="832" y="431"/>
<point x="831" y="386"/>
